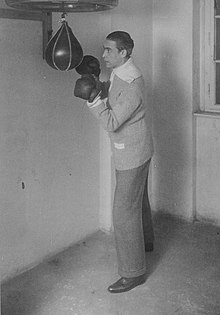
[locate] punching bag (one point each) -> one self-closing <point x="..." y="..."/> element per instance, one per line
<point x="63" y="51"/>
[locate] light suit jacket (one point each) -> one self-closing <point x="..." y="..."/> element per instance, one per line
<point x="127" y="118"/>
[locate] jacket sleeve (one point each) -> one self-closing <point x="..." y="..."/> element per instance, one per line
<point x="111" y="118"/>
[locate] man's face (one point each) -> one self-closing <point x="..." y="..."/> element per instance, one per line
<point x="112" y="56"/>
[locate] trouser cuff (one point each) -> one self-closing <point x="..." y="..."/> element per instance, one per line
<point x="132" y="274"/>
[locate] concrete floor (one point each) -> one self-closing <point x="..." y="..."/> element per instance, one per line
<point x="183" y="277"/>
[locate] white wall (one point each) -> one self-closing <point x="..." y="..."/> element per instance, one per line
<point x="206" y="142"/>
<point x="172" y="103"/>
<point x="56" y="166"/>
<point x="208" y="170"/>
<point x="49" y="148"/>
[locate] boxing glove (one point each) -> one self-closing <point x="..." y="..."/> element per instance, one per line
<point x="84" y="87"/>
<point x="101" y="90"/>
<point x="88" y="88"/>
<point x="102" y="87"/>
<point x="89" y="65"/>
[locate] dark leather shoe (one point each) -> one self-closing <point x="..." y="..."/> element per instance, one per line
<point x="126" y="284"/>
<point x="149" y="247"/>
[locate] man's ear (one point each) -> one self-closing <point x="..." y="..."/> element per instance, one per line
<point x="124" y="53"/>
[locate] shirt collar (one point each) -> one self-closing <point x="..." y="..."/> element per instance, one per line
<point x="127" y="72"/>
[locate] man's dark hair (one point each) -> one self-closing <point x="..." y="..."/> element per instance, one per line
<point x="123" y="41"/>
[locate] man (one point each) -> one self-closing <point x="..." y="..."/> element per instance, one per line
<point x="126" y="117"/>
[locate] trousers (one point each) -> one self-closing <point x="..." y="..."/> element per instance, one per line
<point x="132" y="220"/>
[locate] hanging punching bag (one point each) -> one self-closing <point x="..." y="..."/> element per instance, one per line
<point x="63" y="51"/>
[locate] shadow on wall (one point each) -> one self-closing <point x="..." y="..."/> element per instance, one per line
<point x="171" y="125"/>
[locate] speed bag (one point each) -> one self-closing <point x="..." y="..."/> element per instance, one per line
<point x="63" y="51"/>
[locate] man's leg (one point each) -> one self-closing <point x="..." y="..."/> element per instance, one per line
<point x="127" y="221"/>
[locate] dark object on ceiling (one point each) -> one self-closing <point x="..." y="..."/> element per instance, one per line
<point x="63" y="6"/>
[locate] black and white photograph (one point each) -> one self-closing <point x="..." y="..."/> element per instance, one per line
<point x="110" y="157"/>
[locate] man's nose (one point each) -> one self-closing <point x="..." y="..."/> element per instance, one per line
<point x="103" y="55"/>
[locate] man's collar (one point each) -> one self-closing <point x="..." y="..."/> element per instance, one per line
<point x="127" y="72"/>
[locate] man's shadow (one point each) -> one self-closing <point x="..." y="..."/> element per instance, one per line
<point x="166" y="230"/>
<point x="171" y="162"/>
